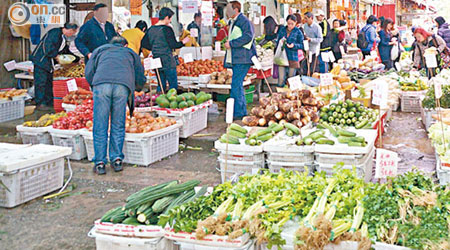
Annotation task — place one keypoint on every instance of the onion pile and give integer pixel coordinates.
(297, 107)
(145, 123)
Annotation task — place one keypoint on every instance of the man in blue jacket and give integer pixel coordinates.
(95, 32)
(371, 35)
(53, 43)
(240, 49)
(114, 72)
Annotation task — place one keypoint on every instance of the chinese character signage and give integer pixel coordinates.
(387, 163)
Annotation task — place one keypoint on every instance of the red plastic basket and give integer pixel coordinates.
(60, 86)
(57, 105)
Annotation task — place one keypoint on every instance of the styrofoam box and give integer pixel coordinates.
(71, 139)
(238, 147)
(363, 171)
(347, 159)
(11, 110)
(238, 167)
(442, 174)
(275, 167)
(190, 246)
(140, 231)
(290, 157)
(6, 147)
(31, 135)
(110, 242)
(241, 156)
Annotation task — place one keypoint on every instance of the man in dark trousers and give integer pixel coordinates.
(114, 72)
(196, 25)
(95, 32)
(325, 46)
(53, 43)
(240, 49)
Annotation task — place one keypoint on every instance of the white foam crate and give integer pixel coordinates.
(110, 242)
(11, 110)
(364, 170)
(31, 135)
(241, 156)
(275, 167)
(190, 246)
(347, 159)
(145, 150)
(238, 167)
(71, 139)
(194, 119)
(300, 158)
(30, 172)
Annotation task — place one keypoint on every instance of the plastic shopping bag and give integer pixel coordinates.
(394, 52)
(280, 57)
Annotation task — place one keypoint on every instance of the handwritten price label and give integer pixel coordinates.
(387, 163)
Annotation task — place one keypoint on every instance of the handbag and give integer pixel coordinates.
(275, 71)
(301, 55)
(280, 57)
(443, 57)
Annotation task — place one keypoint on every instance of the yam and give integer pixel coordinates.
(264, 101)
(251, 121)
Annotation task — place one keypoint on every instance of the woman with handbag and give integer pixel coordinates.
(386, 43)
(426, 41)
(290, 40)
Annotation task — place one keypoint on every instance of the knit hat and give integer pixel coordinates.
(423, 32)
(440, 20)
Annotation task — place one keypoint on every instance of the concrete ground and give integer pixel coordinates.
(63, 223)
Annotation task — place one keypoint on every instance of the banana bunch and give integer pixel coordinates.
(45, 120)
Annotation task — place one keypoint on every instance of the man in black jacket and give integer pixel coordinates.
(53, 43)
(95, 32)
(114, 72)
(325, 46)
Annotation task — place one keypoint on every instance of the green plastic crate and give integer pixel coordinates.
(248, 95)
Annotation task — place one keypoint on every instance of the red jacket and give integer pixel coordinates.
(222, 34)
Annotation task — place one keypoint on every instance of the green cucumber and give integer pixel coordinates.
(260, 132)
(292, 127)
(229, 139)
(238, 128)
(361, 124)
(325, 141)
(331, 129)
(356, 144)
(343, 132)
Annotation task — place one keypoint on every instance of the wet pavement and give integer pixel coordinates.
(63, 223)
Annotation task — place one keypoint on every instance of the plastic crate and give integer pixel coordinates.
(71, 139)
(411, 101)
(147, 150)
(442, 174)
(57, 104)
(12, 110)
(242, 156)
(32, 135)
(301, 158)
(190, 246)
(192, 122)
(27, 184)
(364, 170)
(238, 167)
(89, 143)
(347, 159)
(110, 242)
(275, 167)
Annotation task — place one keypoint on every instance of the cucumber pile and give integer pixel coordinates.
(348, 113)
(236, 132)
(185, 100)
(147, 205)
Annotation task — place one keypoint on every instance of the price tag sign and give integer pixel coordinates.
(206, 53)
(155, 63)
(326, 79)
(188, 58)
(194, 32)
(437, 89)
(256, 20)
(306, 45)
(11, 65)
(72, 85)
(189, 6)
(217, 46)
(295, 83)
(387, 163)
(430, 60)
(380, 94)
(147, 63)
(325, 56)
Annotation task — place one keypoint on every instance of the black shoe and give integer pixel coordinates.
(100, 168)
(117, 165)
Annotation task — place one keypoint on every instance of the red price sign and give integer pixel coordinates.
(387, 163)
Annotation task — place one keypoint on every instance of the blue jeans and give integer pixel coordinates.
(168, 75)
(110, 100)
(237, 89)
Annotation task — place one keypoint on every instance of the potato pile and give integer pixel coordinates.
(70, 71)
(297, 107)
(223, 77)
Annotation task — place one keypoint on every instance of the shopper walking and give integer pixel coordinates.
(386, 43)
(134, 36)
(240, 49)
(196, 24)
(443, 30)
(160, 39)
(367, 37)
(313, 34)
(95, 32)
(55, 42)
(292, 38)
(425, 40)
(325, 45)
(114, 72)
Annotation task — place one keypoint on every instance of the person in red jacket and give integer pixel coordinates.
(223, 32)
